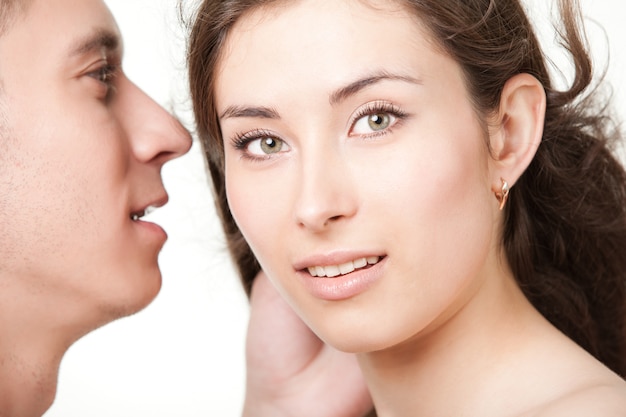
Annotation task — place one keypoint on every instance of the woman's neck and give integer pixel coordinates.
(467, 365)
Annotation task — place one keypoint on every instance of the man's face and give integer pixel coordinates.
(81, 151)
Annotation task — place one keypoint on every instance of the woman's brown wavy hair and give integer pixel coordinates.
(565, 223)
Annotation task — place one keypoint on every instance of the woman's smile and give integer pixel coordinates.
(343, 281)
(344, 268)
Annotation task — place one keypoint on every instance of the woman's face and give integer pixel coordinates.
(356, 168)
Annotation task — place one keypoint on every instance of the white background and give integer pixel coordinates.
(183, 355)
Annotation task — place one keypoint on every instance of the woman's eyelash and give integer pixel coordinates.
(390, 114)
(242, 140)
(379, 107)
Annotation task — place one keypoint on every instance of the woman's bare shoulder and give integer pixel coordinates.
(605, 399)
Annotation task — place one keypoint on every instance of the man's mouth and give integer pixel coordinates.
(331, 271)
(138, 215)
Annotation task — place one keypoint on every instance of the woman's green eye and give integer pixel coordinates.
(263, 146)
(378, 121)
(270, 145)
(374, 122)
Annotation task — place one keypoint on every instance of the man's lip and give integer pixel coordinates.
(334, 258)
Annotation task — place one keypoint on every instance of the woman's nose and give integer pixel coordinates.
(325, 193)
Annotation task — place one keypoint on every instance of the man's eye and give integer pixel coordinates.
(105, 74)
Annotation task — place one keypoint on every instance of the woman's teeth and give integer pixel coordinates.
(342, 269)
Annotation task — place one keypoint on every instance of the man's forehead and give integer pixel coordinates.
(10, 10)
(68, 27)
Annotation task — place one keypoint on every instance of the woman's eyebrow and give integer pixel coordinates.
(336, 97)
(249, 111)
(354, 87)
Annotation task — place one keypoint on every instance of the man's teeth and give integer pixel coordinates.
(343, 269)
(136, 216)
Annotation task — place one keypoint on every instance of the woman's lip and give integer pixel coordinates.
(343, 286)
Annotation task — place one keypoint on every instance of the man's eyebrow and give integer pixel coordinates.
(99, 39)
(354, 87)
(249, 111)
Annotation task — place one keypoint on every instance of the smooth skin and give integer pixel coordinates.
(360, 141)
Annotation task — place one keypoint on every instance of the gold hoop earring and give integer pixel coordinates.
(503, 194)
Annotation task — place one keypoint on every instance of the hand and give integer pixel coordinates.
(290, 371)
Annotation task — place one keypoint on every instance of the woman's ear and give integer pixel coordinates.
(516, 132)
